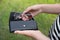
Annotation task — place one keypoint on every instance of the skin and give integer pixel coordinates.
(35, 10)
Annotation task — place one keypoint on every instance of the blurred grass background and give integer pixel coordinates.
(44, 21)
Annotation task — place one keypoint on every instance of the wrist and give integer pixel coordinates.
(40, 36)
(36, 35)
(40, 7)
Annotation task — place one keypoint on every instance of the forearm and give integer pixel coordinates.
(50, 8)
(40, 36)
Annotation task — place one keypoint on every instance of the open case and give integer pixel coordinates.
(19, 24)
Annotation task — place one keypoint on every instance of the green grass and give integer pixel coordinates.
(44, 21)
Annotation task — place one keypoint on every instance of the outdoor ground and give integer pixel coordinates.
(44, 21)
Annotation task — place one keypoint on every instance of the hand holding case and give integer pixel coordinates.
(19, 24)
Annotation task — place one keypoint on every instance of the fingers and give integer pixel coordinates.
(24, 18)
(26, 32)
(20, 32)
(23, 32)
(30, 33)
(24, 13)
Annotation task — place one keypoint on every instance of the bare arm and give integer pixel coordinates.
(34, 10)
(41, 8)
(36, 34)
(51, 8)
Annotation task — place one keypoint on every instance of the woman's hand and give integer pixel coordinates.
(44, 8)
(30, 33)
(33, 10)
(36, 34)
